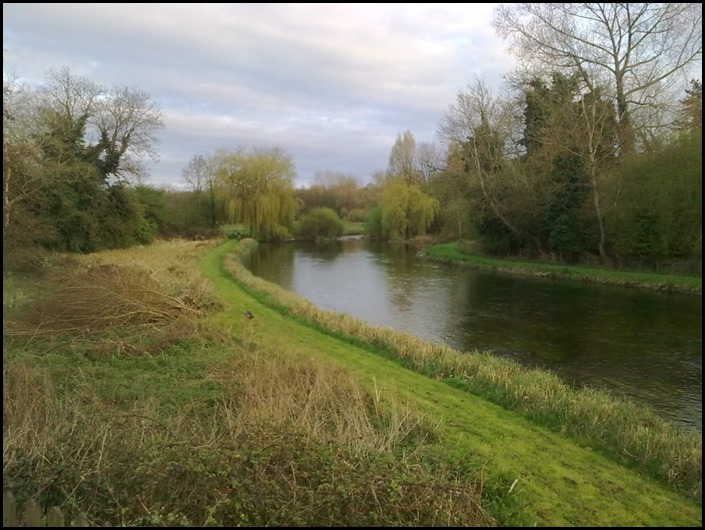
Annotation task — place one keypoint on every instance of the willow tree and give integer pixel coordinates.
(257, 188)
(406, 211)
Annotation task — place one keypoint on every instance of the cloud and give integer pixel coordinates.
(331, 84)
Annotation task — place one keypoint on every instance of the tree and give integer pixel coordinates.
(429, 159)
(127, 121)
(563, 152)
(479, 128)
(570, 137)
(334, 190)
(692, 107)
(320, 224)
(633, 51)
(70, 148)
(22, 173)
(257, 188)
(661, 211)
(405, 210)
(450, 186)
(199, 175)
(412, 161)
(120, 123)
(402, 160)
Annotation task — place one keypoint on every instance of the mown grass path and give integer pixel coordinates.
(559, 483)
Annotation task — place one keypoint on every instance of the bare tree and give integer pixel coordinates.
(70, 96)
(198, 173)
(21, 175)
(402, 160)
(68, 130)
(482, 124)
(120, 123)
(429, 159)
(636, 50)
(127, 121)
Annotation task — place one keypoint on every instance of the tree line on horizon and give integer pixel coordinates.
(590, 153)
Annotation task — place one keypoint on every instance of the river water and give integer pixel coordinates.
(642, 344)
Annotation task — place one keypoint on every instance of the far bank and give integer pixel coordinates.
(460, 253)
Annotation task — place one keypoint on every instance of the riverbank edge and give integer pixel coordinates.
(629, 434)
(451, 254)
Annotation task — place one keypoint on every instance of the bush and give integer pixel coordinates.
(320, 223)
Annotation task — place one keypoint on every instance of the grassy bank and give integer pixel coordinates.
(454, 253)
(630, 434)
(290, 418)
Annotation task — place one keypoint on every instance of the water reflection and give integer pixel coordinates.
(642, 344)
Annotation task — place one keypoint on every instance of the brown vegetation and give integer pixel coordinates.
(123, 404)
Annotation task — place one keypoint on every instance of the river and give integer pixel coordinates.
(642, 344)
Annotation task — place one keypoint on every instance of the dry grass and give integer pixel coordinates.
(287, 442)
(115, 289)
(259, 457)
(322, 401)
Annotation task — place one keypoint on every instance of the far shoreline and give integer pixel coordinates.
(451, 254)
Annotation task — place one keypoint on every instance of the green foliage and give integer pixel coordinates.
(468, 253)
(87, 218)
(357, 215)
(320, 223)
(257, 189)
(692, 107)
(124, 223)
(67, 155)
(237, 232)
(496, 237)
(154, 204)
(454, 219)
(373, 222)
(404, 211)
(565, 225)
(660, 214)
(187, 214)
(354, 228)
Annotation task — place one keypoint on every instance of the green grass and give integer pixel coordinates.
(282, 420)
(354, 229)
(630, 434)
(451, 253)
(189, 422)
(549, 467)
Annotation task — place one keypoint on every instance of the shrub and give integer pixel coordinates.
(320, 223)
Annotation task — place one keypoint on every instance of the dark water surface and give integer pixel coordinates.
(638, 343)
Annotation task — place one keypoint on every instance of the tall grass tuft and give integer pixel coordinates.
(322, 401)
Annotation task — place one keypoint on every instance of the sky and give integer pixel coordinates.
(332, 85)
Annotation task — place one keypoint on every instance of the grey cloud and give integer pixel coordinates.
(331, 84)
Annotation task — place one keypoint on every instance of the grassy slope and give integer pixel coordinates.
(559, 483)
(449, 252)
